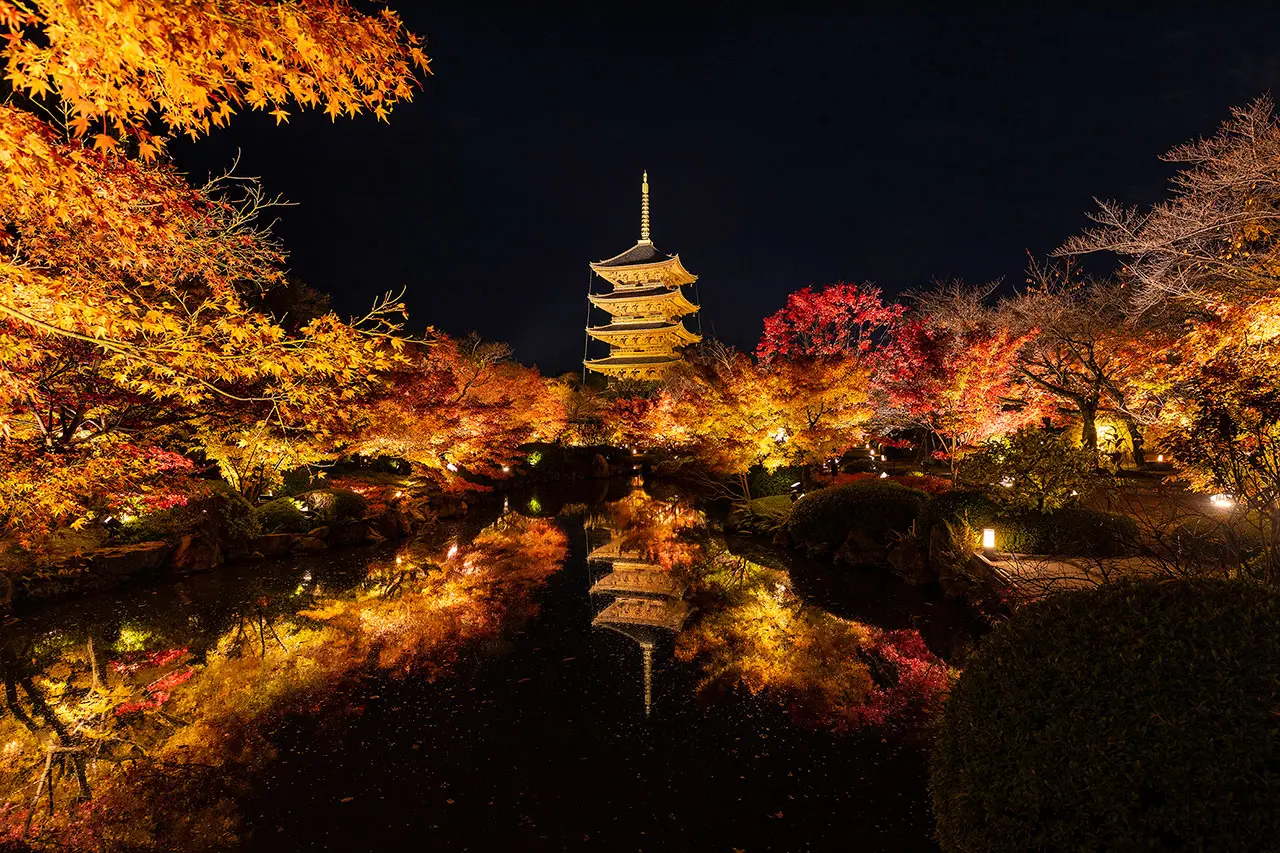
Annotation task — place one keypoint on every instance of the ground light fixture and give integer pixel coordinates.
(988, 540)
(1222, 501)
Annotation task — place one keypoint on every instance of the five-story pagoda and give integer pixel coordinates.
(646, 308)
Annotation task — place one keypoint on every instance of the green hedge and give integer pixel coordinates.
(825, 518)
(1134, 716)
(282, 515)
(1074, 531)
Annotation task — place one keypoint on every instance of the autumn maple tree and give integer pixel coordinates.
(127, 296)
(952, 370)
(1206, 262)
(460, 404)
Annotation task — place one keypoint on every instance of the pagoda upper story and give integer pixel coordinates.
(646, 306)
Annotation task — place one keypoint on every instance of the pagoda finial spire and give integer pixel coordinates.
(644, 208)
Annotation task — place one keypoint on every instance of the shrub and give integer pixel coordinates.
(764, 515)
(334, 505)
(876, 508)
(1034, 470)
(764, 483)
(214, 506)
(154, 526)
(283, 515)
(1073, 531)
(961, 505)
(1133, 716)
(1086, 532)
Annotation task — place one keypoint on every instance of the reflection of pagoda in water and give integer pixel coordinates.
(646, 603)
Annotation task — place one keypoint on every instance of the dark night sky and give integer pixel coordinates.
(896, 146)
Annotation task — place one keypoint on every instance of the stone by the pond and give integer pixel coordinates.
(273, 544)
(908, 562)
(195, 553)
(348, 533)
(599, 466)
(321, 532)
(309, 543)
(136, 559)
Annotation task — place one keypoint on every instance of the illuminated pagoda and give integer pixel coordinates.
(646, 307)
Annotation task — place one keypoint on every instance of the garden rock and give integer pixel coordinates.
(309, 543)
(599, 466)
(906, 558)
(273, 544)
(195, 553)
(138, 559)
(348, 533)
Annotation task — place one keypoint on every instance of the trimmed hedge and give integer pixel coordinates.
(282, 515)
(824, 519)
(1137, 716)
(1074, 531)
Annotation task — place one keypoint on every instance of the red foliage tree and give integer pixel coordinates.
(844, 320)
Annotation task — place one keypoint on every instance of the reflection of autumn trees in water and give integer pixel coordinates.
(123, 744)
(757, 634)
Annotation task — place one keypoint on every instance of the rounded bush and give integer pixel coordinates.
(877, 508)
(282, 515)
(1136, 716)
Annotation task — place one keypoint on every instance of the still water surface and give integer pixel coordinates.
(469, 691)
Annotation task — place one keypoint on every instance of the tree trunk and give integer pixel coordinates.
(1137, 442)
(1273, 558)
(1089, 426)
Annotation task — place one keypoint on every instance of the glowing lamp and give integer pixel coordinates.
(451, 466)
(988, 539)
(506, 469)
(884, 474)
(884, 458)
(1159, 457)
(1222, 501)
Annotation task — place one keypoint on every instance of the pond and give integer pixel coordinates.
(571, 671)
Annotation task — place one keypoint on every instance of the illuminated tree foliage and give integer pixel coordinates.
(952, 369)
(126, 295)
(1206, 260)
(461, 404)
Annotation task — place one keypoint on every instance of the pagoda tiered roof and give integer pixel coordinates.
(631, 334)
(645, 305)
(653, 612)
(638, 581)
(648, 300)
